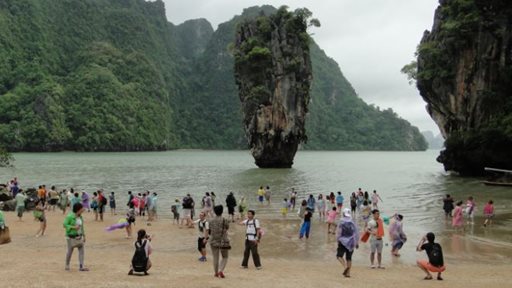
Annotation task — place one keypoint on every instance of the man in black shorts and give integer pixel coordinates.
(348, 239)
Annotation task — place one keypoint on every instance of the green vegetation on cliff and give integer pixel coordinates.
(463, 73)
(115, 75)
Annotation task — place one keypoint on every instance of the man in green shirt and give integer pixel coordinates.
(75, 235)
(20, 203)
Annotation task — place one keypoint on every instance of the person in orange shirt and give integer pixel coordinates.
(41, 193)
(376, 229)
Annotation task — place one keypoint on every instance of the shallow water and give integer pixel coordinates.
(411, 183)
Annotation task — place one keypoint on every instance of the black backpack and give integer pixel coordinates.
(436, 256)
(140, 260)
(187, 203)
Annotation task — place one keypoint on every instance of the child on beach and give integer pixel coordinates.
(320, 204)
(284, 207)
(331, 219)
(470, 210)
(261, 195)
(39, 215)
(488, 212)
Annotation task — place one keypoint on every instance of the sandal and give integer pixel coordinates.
(427, 278)
(439, 278)
(83, 269)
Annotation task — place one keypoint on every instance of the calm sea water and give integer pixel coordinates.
(411, 183)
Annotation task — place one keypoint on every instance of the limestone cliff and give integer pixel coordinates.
(464, 72)
(273, 74)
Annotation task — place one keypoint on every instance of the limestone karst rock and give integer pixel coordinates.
(464, 72)
(273, 74)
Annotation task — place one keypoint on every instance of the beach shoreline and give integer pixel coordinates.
(39, 262)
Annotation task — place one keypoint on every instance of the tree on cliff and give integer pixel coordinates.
(6, 158)
(463, 73)
(273, 73)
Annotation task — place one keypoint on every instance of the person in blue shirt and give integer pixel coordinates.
(339, 201)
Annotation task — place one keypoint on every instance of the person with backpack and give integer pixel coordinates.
(252, 240)
(140, 259)
(203, 227)
(435, 262)
(348, 240)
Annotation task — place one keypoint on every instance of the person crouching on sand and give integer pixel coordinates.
(435, 262)
(140, 260)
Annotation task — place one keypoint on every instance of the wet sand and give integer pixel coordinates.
(287, 261)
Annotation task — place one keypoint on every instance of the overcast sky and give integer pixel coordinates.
(370, 39)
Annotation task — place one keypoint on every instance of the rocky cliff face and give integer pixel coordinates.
(273, 74)
(464, 70)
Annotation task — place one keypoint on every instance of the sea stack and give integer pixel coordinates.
(273, 74)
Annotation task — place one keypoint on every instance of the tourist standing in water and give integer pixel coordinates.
(339, 201)
(331, 219)
(306, 224)
(284, 207)
(112, 203)
(488, 213)
(311, 203)
(375, 199)
(320, 204)
(348, 240)
(458, 220)
(353, 204)
(261, 195)
(293, 198)
(268, 195)
(448, 206)
(470, 210)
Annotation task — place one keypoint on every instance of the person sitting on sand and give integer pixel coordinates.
(435, 262)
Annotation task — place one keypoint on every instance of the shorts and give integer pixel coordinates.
(42, 219)
(397, 245)
(425, 264)
(342, 250)
(187, 213)
(53, 201)
(376, 245)
(260, 198)
(231, 210)
(489, 216)
(112, 205)
(284, 211)
(200, 244)
(176, 216)
(20, 210)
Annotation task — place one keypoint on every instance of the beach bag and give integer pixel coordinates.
(5, 235)
(103, 200)
(365, 236)
(140, 260)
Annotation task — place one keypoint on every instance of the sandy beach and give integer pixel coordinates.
(39, 262)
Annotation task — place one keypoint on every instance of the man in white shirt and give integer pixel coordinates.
(252, 240)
